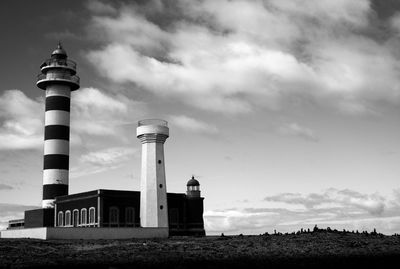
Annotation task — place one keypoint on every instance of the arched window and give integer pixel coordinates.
(92, 215)
(75, 218)
(60, 219)
(114, 215)
(83, 216)
(130, 216)
(67, 218)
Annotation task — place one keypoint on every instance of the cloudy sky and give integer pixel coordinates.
(287, 112)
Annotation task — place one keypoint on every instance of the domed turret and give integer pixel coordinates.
(59, 52)
(193, 188)
(58, 70)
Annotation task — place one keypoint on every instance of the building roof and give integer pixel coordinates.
(193, 182)
(109, 193)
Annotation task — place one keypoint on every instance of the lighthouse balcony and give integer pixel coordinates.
(154, 130)
(58, 63)
(43, 80)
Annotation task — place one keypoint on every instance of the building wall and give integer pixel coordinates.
(185, 214)
(78, 202)
(42, 217)
(121, 202)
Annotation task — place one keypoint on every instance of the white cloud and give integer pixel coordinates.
(94, 113)
(192, 125)
(294, 129)
(338, 209)
(102, 160)
(109, 156)
(20, 123)
(372, 203)
(223, 56)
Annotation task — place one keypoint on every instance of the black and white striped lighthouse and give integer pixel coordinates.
(58, 78)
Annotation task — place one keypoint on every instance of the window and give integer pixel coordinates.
(173, 214)
(68, 218)
(92, 215)
(130, 215)
(114, 215)
(194, 188)
(83, 216)
(75, 217)
(60, 219)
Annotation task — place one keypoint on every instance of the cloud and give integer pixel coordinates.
(12, 211)
(107, 156)
(192, 125)
(294, 129)
(356, 108)
(102, 160)
(220, 56)
(338, 209)
(99, 7)
(20, 126)
(5, 187)
(372, 203)
(94, 113)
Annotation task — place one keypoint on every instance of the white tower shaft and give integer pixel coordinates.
(153, 192)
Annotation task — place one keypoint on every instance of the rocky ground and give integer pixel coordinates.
(322, 249)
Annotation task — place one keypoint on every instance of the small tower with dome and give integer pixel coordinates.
(193, 188)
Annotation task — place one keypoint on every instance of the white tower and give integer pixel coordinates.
(153, 192)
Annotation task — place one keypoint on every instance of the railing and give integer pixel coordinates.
(153, 122)
(59, 62)
(57, 76)
(16, 221)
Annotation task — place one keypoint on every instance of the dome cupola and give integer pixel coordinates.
(59, 52)
(193, 188)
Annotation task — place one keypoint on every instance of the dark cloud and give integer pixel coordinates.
(166, 46)
(385, 8)
(5, 187)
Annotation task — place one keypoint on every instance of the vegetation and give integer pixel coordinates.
(317, 248)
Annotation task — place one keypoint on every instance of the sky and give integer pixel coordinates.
(286, 111)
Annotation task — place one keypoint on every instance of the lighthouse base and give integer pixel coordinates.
(46, 233)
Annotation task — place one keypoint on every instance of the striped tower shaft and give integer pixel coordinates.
(58, 78)
(56, 143)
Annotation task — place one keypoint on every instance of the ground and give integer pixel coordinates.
(322, 249)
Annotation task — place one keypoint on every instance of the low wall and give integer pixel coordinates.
(85, 233)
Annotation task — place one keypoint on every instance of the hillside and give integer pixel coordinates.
(319, 249)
